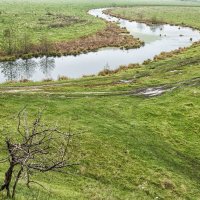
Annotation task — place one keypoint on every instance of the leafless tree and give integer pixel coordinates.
(9, 40)
(45, 44)
(25, 43)
(40, 148)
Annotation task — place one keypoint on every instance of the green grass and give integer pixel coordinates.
(130, 147)
(128, 143)
(33, 17)
(173, 15)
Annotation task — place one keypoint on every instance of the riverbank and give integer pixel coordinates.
(170, 39)
(153, 15)
(111, 36)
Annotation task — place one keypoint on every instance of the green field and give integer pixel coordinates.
(39, 18)
(163, 14)
(130, 146)
(46, 17)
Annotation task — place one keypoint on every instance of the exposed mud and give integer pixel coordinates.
(147, 92)
(154, 91)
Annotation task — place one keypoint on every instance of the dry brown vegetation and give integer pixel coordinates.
(55, 20)
(108, 71)
(62, 78)
(164, 55)
(112, 36)
(161, 56)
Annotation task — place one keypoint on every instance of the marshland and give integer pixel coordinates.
(122, 78)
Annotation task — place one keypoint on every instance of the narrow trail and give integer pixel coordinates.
(143, 92)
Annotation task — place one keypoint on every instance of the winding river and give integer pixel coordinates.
(157, 38)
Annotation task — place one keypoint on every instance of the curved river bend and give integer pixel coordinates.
(36, 69)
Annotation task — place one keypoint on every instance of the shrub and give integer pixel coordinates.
(62, 78)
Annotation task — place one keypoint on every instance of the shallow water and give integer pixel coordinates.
(37, 69)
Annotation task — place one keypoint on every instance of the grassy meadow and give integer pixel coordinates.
(41, 17)
(163, 14)
(129, 146)
(62, 20)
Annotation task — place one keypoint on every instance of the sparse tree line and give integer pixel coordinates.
(14, 43)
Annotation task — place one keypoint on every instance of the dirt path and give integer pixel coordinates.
(145, 92)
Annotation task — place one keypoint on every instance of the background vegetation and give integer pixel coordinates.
(161, 14)
(60, 20)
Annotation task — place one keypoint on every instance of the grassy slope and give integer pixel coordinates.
(133, 147)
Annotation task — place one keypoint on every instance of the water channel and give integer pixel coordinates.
(157, 38)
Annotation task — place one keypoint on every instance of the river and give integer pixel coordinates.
(157, 38)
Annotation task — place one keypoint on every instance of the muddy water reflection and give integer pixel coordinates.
(24, 69)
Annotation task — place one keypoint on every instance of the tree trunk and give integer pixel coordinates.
(7, 180)
(16, 181)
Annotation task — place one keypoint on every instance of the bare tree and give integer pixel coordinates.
(25, 43)
(45, 44)
(40, 148)
(9, 44)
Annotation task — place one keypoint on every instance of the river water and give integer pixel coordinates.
(157, 38)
